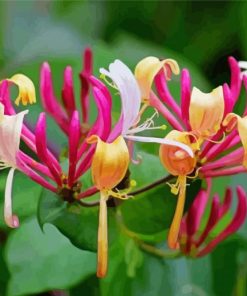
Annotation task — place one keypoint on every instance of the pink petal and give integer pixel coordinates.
(225, 172)
(197, 209)
(211, 153)
(212, 220)
(49, 100)
(235, 83)
(84, 76)
(74, 138)
(185, 96)
(68, 95)
(102, 125)
(26, 169)
(41, 146)
(233, 158)
(164, 93)
(233, 226)
(161, 108)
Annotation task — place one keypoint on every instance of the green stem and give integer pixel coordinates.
(139, 191)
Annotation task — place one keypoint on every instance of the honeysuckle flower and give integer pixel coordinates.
(197, 242)
(198, 123)
(26, 89)
(111, 158)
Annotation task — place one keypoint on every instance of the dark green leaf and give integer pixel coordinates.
(78, 223)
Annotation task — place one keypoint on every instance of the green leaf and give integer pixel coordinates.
(79, 224)
(40, 261)
(4, 274)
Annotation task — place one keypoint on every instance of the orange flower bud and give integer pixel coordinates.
(110, 162)
(174, 159)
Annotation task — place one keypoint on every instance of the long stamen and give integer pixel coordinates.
(102, 262)
(174, 229)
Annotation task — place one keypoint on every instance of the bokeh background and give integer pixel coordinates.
(200, 35)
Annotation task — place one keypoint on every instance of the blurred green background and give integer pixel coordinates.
(200, 35)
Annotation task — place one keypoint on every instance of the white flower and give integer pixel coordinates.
(10, 134)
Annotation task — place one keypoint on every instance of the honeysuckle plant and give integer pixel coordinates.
(204, 143)
(197, 122)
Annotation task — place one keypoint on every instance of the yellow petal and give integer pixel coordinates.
(175, 160)
(26, 89)
(230, 122)
(148, 68)
(110, 162)
(206, 112)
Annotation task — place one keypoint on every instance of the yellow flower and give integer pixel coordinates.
(110, 162)
(148, 68)
(206, 112)
(26, 89)
(109, 166)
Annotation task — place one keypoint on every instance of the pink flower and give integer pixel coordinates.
(197, 242)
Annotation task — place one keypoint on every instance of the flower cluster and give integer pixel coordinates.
(207, 140)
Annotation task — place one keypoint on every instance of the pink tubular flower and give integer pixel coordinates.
(45, 169)
(195, 242)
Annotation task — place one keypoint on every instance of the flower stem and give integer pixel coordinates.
(139, 191)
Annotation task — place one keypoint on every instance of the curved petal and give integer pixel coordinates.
(10, 134)
(148, 68)
(10, 219)
(129, 92)
(161, 141)
(26, 89)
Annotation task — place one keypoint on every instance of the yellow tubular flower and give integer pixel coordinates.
(178, 163)
(109, 166)
(148, 68)
(110, 162)
(230, 121)
(206, 112)
(26, 89)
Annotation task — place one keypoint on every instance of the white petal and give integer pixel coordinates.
(129, 92)
(10, 219)
(243, 64)
(10, 134)
(161, 141)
